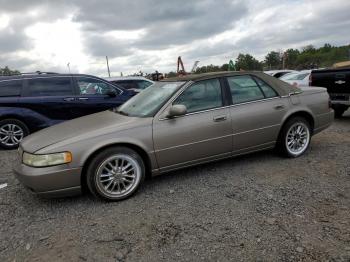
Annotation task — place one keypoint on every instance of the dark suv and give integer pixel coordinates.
(31, 102)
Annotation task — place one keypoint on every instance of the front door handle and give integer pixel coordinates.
(278, 107)
(219, 118)
(83, 98)
(69, 99)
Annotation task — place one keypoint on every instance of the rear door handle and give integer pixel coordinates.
(69, 99)
(83, 98)
(219, 118)
(278, 107)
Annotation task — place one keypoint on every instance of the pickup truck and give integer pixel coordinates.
(337, 82)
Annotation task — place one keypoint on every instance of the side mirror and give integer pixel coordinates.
(111, 93)
(177, 110)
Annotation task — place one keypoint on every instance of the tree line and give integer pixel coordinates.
(6, 71)
(308, 57)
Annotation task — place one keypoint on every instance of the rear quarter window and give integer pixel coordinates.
(10, 88)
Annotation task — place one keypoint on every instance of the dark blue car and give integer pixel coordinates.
(34, 101)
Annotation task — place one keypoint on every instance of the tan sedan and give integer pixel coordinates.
(170, 125)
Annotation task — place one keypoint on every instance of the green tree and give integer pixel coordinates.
(291, 57)
(310, 49)
(207, 69)
(326, 48)
(224, 67)
(247, 62)
(6, 71)
(273, 60)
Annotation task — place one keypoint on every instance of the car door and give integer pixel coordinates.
(51, 97)
(95, 95)
(256, 113)
(10, 91)
(204, 133)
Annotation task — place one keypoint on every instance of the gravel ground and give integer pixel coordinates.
(259, 207)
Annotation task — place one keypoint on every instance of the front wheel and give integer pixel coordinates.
(12, 131)
(295, 137)
(115, 173)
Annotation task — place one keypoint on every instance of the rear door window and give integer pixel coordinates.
(268, 90)
(55, 86)
(244, 89)
(10, 88)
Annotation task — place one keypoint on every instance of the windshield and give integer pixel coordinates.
(294, 76)
(150, 100)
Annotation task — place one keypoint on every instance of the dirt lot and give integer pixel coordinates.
(259, 207)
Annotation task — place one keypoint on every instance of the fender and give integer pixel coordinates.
(32, 119)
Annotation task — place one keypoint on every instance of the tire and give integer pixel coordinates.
(295, 137)
(338, 113)
(12, 132)
(107, 182)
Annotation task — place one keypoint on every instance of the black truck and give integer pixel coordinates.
(337, 82)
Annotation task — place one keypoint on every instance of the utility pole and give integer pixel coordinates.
(68, 65)
(109, 72)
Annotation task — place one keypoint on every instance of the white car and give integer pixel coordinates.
(136, 83)
(278, 73)
(298, 78)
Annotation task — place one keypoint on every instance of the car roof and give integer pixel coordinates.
(40, 75)
(281, 87)
(278, 71)
(123, 78)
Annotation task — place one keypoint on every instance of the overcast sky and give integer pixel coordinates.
(148, 35)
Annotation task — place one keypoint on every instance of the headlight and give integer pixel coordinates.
(46, 160)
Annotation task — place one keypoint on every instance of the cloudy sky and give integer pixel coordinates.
(148, 35)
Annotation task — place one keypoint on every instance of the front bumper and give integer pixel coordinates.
(55, 181)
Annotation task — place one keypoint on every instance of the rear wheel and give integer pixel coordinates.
(295, 137)
(12, 132)
(115, 173)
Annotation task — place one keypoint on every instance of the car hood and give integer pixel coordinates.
(79, 128)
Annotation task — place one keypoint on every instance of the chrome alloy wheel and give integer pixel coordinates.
(118, 175)
(298, 138)
(11, 134)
